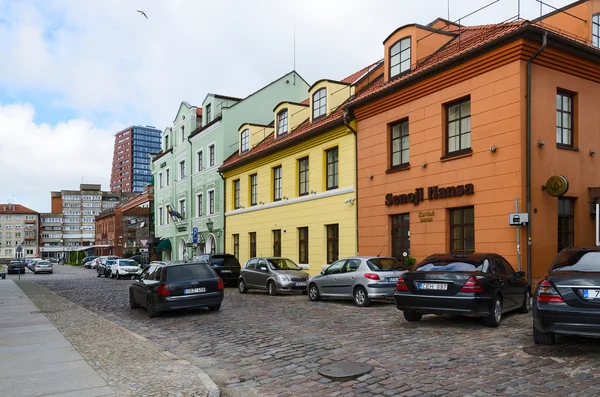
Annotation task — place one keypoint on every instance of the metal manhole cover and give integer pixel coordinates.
(345, 370)
(552, 351)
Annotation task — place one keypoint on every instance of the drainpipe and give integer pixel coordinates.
(528, 153)
(349, 116)
(223, 209)
(191, 202)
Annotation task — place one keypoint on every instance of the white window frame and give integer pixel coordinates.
(182, 170)
(214, 147)
(160, 216)
(160, 180)
(200, 160)
(208, 192)
(167, 176)
(182, 211)
(245, 147)
(199, 205)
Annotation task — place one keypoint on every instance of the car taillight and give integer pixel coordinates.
(163, 290)
(547, 293)
(220, 284)
(371, 276)
(401, 284)
(472, 285)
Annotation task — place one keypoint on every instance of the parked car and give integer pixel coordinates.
(124, 268)
(358, 278)
(567, 300)
(16, 267)
(480, 285)
(88, 259)
(163, 287)
(273, 275)
(31, 264)
(42, 267)
(225, 265)
(103, 267)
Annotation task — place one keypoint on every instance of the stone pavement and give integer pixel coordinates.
(131, 365)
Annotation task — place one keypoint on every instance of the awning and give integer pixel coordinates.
(164, 245)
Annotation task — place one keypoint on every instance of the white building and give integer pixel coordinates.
(19, 227)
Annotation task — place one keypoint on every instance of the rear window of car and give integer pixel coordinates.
(43, 263)
(127, 263)
(384, 264)
(577, 261)
(227, 261)
(452, 266)
(189, 272)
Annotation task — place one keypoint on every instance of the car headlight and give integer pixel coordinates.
(283, 278)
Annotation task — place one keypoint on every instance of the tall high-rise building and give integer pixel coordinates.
(131, 158)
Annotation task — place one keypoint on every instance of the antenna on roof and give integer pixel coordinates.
(448, 10)
(294, 54)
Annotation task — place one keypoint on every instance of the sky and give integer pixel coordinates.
(75, 72)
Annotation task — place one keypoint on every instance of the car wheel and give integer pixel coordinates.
(242, 286)
(526, 303)
(271, 288)
(412, 316)
(214, 308)
(99, 274)
(543, 338)
(132, 303)
(111, 275)
(150, 309)
(361, 299)
(118, 276)
(494, 318)
(313, 293)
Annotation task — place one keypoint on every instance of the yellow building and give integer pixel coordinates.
(291, 187)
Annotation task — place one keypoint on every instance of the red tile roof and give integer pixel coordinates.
(354, 77)
(16, 209)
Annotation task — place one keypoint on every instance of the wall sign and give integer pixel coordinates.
(426, 216)
(557, 186)
(433, 193)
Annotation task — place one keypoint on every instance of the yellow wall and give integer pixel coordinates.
(337, 94)
(297, 114)
(315, 210)
(257, 134)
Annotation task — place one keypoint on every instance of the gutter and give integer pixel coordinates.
(347, 117)
(223, 209)
(528, 153)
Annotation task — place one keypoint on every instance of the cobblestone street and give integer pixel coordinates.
(274, 346)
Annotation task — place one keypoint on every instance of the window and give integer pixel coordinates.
(303, 176)
(199, 205)
(167, 177)
(282, 122)
(319, 103)
(400, 236)
(462, 230)
(458, 132)
(277, 183)
(333, 243)
(566, 230)
(564, 118)
(277, 242)
(302, 245)
(236, 194)
(596, 30)
(160, 216)
(332, 168)
(182, 208)
(211, 155)
(182, 133)
(253, 189)
(181, 170)
(166, 142)
(160, 180)
(245, 140)
(400, 145)
(200, 160)
(252, 238)
(236, 246)
(211, 202)
(400, 57)
(208, 111)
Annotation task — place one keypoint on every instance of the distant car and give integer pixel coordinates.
(42, 267)
(360, 278)
(479, 285)
(225, 265)
(103, 268)
(273, 275)
(163, 287)
(16, 267)
(567, 300)
(88, 259)
(124, 268)
(32, 263)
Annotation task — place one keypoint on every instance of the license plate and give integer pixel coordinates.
(433, 286)
(194, 290)
(591, 293)
(392, 279)
(225, 271)
(300, 284)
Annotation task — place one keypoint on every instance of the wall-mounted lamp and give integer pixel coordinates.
(285, 198)
(541, 143)
(370, 176)
(349, 200)
(313, 192)
(261, 203)
(592, 152)
(423, 165)
(493, 149)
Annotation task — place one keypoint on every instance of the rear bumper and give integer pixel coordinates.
(468, 305)
(381, 291)
(15, 271)
(567, 320)
(190, 301)
(42, 270)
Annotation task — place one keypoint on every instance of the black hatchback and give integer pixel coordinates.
(567, 300)
(164, 287)
(477, 285)
(226, 266)
(16, 267)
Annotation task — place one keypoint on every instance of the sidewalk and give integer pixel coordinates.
(35, 358)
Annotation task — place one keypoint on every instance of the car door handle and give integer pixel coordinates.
(335, 278)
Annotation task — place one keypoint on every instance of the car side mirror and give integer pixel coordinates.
(322, 272)
(519, 274)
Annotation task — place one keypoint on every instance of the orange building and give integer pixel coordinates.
(448, 140)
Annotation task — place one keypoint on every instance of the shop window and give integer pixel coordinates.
(303, 176)
(236, 194)
(566, 229)
(333, 243)
(564, 119)
(458, 127)
(252, 238)
(331, 168)
(400, 57)
(277, 242)
(399, 145)
(462, 230)
(400, 236)
(596, 30)
(277, 183)
(303, 245)
(236, 246)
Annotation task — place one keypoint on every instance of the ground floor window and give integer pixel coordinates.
(566, 229)
(302, 245)
(236, 246)
(462, 230)
(252, 238)
(400, 236)
(277, 242)
(333, 243)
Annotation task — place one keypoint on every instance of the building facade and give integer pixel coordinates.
(448, 141)
(131, 158)
(189, 192)
(291, 185)
(19, 227)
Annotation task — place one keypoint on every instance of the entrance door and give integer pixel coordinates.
(400, 236)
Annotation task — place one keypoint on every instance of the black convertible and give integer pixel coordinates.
(479, 285)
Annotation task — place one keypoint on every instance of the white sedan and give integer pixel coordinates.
(125, 268)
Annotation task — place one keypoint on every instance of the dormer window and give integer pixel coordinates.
(596, 30)
(208, 113)
(319, 103)
(245, 140)
(166, 142)
(282, 122)
(400, 57)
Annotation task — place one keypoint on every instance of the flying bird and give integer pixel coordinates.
(143, 13)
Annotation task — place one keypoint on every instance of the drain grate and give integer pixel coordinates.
(345, 370)
(552, 351)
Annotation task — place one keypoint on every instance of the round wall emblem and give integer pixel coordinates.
(557, 186)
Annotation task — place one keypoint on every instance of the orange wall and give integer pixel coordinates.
(567, 23)
(56, 204)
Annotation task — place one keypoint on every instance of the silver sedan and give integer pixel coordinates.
(360, 278)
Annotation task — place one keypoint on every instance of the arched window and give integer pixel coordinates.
(245, 141)
(400, 57)
(282, 122)
(596, 30)
(320, 103)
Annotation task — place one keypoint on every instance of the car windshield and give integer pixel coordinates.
(577, 261)
(189, 272)
(384, 264)
(127, 263)
(452, 266)
(283, 264)
(110, 261)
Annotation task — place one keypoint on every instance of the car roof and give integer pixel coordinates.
(475, 256)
